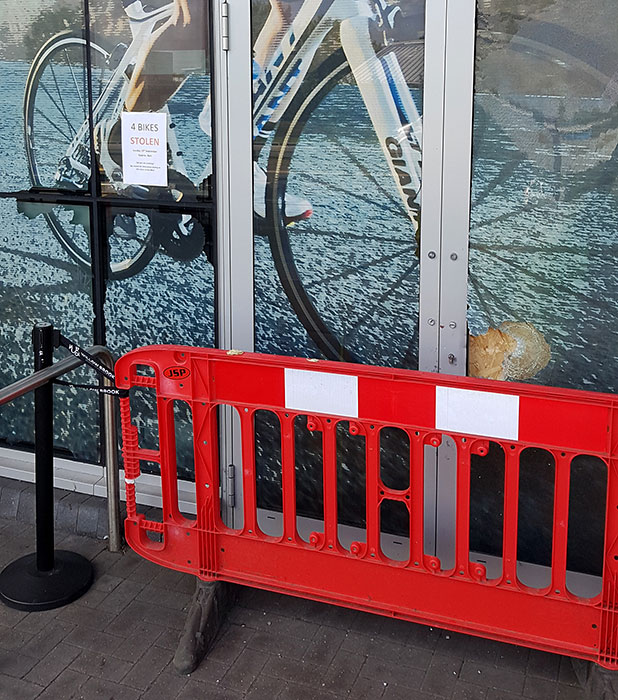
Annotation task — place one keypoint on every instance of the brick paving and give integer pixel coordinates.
(117, 643)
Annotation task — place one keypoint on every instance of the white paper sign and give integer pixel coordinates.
(477, 413)
(144, 148)
(321, 392)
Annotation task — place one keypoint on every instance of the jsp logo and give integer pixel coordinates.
(176, 372)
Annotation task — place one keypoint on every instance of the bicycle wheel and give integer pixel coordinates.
(359, 236)
(56, 115)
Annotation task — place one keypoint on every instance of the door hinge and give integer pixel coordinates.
(225, 26)
(231, 486)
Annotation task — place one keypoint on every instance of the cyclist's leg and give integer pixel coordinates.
(160, 72)
(270, 35)
(275, 26)
(269, 38)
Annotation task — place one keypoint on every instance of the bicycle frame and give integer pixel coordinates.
(391, 109)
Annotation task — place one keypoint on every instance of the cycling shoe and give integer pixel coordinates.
(296, 208)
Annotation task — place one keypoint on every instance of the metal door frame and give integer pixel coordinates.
(445, 203)
(450, 31)
(456, 181)
(234, 179)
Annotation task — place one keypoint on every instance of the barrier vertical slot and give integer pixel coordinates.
(268, 472)
(309, 475)
(486, 509)
(288, 476)
(537, 477)
(586, 530)
(185, 448)
(352, 485)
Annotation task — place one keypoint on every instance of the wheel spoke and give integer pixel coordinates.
(371, 177)
(505, 172)
(55, 139)
(376, 303)
(499, 218)
(59, 110)
(349, 236)
(64, 114)
(410, 357)
(81, 99)
(66, 137)
(396, 210)
(100, 84)
(65, 265)
(527, 249)
(364, 266)
(564, 291)
(476, 284)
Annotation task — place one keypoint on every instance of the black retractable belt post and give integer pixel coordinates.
(43, 342)
(48, 578)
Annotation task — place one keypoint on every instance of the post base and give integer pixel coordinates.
(598, 683)
(209, 606)
(24, 587)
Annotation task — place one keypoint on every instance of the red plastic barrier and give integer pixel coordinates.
(427, 407)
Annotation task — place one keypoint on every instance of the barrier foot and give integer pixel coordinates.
(598, 683)
(211, 601)
(24, 587)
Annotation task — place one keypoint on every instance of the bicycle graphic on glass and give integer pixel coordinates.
(337, 148)
(286, 91)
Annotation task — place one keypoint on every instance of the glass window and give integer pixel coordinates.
(543, 272)
(44, 103)
(337, 104)
(337, 133)
(543, 260)
(161, 290)
(149, 61)
(42, 282)
(171, 299)
(120, 275)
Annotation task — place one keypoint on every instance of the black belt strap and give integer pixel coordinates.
(98, 366)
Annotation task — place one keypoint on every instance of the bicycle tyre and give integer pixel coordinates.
(71, 43)
(333, 343)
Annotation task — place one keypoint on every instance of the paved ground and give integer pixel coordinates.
(118, 642)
